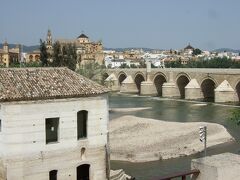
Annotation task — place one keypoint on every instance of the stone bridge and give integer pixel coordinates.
(219, 85)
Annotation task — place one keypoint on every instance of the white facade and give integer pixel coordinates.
(24, 153)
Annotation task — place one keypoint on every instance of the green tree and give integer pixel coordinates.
(71, 59)
(196, 52)
(64, 55)
(133, 66)
(124, 66)
(174, 64)
(93, 71)
(57, 55)
(235, 116)
(43, 53)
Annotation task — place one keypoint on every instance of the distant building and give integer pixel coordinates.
(133, 54)
(33, 56)
(87, 51)
(9, 56)
(49, 128)
(116, 63)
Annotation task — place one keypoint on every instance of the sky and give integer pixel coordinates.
(160, 24)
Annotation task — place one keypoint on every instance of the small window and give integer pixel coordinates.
(53, 175)
(82, 124)
(51, 130)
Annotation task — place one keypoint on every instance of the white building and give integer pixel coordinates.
(156, 59)
(116, 63)
(54, 125)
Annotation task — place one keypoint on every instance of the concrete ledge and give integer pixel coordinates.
(224, 166)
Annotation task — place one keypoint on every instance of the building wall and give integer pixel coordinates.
(9, 56)
(25, 152)
(33, 57)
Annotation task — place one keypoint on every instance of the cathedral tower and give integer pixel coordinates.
(49, 40)
(5, 47)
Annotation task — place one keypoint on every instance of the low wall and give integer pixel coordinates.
(224, 166)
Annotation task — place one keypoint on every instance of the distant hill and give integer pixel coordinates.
(226, 50)
(25, 48)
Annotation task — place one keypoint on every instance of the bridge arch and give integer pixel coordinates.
(207, 86)
(121, 77)
(159, 79)
(238, 90)
(182, 80)
(139, 77)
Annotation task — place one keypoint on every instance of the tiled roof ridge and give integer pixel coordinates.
(45, 83)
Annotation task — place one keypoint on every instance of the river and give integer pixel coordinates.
(179, 111)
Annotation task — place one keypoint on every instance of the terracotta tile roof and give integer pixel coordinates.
(23, 84)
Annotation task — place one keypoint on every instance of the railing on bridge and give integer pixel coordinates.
(182, 175)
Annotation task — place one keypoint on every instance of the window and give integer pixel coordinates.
(51, 129)
(82, 124)
(53, 175)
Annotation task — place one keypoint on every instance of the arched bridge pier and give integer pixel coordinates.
(217, 85)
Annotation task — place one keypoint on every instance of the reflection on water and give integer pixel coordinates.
(172, 110)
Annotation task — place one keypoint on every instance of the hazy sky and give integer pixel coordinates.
(163, 24)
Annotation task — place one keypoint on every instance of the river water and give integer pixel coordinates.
(179, 111)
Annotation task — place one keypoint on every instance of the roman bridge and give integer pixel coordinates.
(219, 85)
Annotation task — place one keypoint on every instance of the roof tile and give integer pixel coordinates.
(22, 84)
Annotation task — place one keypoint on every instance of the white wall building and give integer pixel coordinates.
(155, 59)
(54, 125)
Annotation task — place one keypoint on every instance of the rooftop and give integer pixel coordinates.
(188, 47)
(82, 36)
(25, 84)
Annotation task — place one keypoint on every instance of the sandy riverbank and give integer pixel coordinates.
(128, 109)
(139, 139)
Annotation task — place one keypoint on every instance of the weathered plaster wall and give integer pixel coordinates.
(25, 152)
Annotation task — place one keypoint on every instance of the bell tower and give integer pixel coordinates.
(5, 47)
(49, 40)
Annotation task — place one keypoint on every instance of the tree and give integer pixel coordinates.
(71, 57)
(64, 55)
(93, 71)
(57, 55)
(133, 66)
(235, 116)
(196, 52)
(124, 66)
(43, 53)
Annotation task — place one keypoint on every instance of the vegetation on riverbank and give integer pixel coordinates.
(202, 63)
(235, 116)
